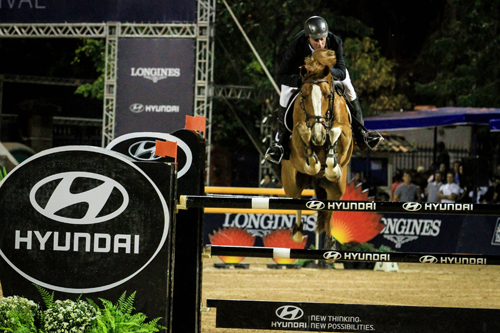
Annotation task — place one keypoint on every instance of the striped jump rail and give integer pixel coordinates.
(349, 256)
(232, 201)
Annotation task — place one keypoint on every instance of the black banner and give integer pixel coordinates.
(155, 82)
(85, 220)
(302, 316)
(91, 11)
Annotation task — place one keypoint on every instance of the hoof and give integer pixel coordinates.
(297, 237)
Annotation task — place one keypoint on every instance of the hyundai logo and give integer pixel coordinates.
(428, 259)
(412, 206)
(289, 312)
(315, 205)
(62, 197)
(332, 255)
(136, 108)
(126, 144)
(144, 151)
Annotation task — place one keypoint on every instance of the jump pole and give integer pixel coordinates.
(348, 256)
(231, 201)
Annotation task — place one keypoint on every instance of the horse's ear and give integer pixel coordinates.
(303, 71)
(326, 71)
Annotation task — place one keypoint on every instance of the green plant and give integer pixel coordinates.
(357, 247)
(384, 248)
(118, 318)
(18, 315)
(3, 173)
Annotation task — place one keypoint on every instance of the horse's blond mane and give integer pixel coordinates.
(320, 58)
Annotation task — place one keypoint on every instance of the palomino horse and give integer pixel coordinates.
(321, 144)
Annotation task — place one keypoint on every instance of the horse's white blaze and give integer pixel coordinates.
(316, 100)
(316, 95)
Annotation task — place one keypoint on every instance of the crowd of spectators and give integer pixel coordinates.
(446, 185)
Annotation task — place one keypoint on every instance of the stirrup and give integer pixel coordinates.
(376, 135)
(270, 158)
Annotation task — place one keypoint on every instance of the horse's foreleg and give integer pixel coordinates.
(333, 170)
(312, 165)
(297, 233)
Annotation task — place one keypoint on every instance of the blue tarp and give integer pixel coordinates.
(431, 118)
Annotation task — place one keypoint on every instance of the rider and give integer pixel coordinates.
(314, 36)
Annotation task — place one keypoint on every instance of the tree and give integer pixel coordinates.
(374, 77)
(94, 49)
(459, 64)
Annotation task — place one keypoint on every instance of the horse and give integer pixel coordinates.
(321, 142)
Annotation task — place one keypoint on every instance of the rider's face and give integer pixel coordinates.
(317, 44)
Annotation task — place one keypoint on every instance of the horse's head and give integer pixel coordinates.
(317, 94)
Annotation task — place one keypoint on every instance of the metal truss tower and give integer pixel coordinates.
(202, 31)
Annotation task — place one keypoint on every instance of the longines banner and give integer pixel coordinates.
(440, 233)
(402, 232)
(155, 82)
(91, 11)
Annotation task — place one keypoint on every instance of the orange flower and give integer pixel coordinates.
(232, 236)
(281, 238)
(356, 226)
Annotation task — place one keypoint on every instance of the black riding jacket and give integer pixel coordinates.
(299, 49)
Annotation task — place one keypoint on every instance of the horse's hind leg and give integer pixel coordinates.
(297, 232)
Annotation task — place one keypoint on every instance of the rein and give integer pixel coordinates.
(325, 120)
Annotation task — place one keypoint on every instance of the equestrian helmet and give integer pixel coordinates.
(316, 27)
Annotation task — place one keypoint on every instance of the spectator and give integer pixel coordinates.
(496, 190)
(442, 169)
(267, 182)
(433, 188)
(420, 179)
(358, 179)
(407, 192)
(442, 155)
(449, 192)
(456, 172)
(396, 181)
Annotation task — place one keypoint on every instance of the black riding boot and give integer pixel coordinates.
(279, 149)
(362, 137)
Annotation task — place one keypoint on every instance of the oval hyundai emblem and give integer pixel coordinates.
(141, 146)
(289, 312)
(412, 206)
(81, 219)
(315, 205)
(95, 199)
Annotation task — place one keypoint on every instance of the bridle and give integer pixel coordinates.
(325, 120)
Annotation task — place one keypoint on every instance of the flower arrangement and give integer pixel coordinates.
(17, 314)
(20, 315)
(69, 316)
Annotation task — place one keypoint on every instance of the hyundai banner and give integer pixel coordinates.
(155, 84)
(91, 11)
(85, 220)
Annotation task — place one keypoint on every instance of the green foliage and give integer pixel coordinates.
(118, 318)
(17, 315)
(358, 247)
(47, 297)
(94, 49)
(3, 173)
(373, 76)
(459, 64)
